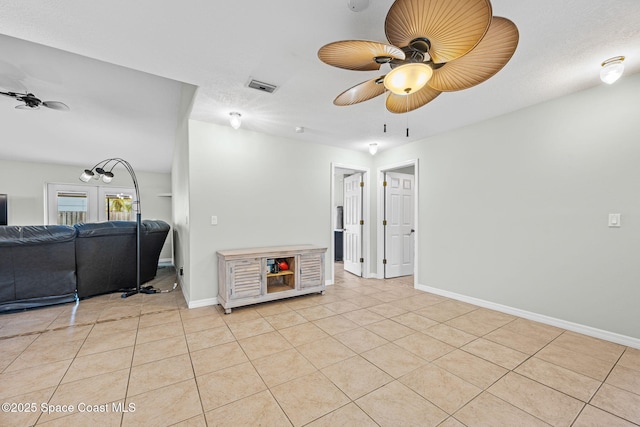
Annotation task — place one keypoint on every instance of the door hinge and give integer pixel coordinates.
(384, 261)
(361, 259)
(384, 183)
(384, 222)
(362, 222)
(361, 183)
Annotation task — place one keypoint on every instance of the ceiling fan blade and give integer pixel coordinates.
(405, 103)
(27, 107)
(452, 27)
(56, 105)
(357, 55)
(361, 92)
(11, 94)
(486, 59)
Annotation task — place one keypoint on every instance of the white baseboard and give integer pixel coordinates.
(165, 262)
(195, 304)
(203, 302)
(560, 323)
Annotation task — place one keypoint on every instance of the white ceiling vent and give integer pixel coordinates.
(264, 87)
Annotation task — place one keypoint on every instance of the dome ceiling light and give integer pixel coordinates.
(235, 120)
(612, 69)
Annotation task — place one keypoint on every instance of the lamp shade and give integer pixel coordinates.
(107, 177)
(408, 78)
(373, 149)
(86, 175)
(612, 69)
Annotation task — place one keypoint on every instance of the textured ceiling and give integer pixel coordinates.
(118, 64)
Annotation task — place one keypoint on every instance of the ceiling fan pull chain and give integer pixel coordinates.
(407, 116)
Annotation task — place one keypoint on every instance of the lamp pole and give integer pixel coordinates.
(107, 176)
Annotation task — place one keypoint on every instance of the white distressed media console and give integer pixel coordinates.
(245, 276)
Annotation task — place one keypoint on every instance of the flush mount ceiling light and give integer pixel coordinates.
(235, 120)
(373, 149)
(459, 41)
(612, 69)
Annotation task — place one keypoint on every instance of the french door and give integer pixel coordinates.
(70, 204)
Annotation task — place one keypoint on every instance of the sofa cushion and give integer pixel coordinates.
(106, 255)
(111, 228)
(16, 235)
(36, 263)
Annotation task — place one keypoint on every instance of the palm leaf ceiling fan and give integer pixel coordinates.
(435, 46)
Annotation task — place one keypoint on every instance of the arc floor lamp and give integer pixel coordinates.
(99, 171)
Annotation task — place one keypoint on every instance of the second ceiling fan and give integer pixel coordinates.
(435, 46)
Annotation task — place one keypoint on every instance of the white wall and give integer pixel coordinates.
(265, 191)
(180, 190)
(24, 183)
(514, 210)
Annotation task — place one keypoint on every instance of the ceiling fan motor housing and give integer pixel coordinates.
(30, 100)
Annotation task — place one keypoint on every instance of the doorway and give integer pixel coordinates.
(398, 228)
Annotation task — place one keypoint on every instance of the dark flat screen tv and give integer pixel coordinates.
(3, 209)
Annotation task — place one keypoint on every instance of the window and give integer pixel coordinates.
(69, 204)
(72, 207)
(118, 207)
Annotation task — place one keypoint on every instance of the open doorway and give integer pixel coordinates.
(397, 229)
(350, 220)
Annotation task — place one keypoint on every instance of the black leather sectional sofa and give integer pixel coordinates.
(51, 264)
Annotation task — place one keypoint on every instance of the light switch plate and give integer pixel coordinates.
(614, 220)
(214, 220)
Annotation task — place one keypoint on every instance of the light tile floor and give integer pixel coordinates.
(367, 353)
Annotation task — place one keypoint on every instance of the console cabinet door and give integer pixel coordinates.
(245, 278)
(311, 271)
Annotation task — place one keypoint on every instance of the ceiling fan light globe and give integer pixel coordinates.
(409, 78)
(612, 69)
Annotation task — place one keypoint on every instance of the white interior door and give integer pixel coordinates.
(399, 232)
(353, 224)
